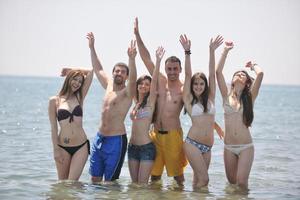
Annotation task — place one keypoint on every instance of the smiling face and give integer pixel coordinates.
(120, 74)
(198, 86)
(173, 70)
(144, 86)
(76, 83)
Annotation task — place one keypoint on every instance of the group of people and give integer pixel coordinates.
(156, 139)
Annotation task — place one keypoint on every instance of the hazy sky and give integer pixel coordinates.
(39, 37)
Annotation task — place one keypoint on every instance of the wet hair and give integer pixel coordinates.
(121, 64)
(203, 98)
(173, 59)
(138, 82)
(66, 88)
(246, 99)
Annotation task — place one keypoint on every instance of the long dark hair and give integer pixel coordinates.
(66, 88)
(138, 82)
(203, 99)
(246, 99)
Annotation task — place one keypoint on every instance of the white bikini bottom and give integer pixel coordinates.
(237, 148)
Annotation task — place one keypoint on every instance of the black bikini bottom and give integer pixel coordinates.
(73, 149)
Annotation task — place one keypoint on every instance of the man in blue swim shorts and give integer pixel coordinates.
(109, 146)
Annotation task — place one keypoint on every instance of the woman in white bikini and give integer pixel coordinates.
(238, 104)
(199, 102)
(141, 149)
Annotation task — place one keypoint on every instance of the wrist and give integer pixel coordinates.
(187, 52)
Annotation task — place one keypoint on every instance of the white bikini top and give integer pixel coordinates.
(228, 109)
(198, 109)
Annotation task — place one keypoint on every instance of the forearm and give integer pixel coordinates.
(222, 61)
(132, 75)
(144, 53)
(212, 63)
(95, 61)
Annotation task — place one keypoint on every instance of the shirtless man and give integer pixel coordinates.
(109, 146)
(167, 134)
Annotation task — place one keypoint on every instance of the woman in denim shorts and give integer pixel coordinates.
(141, 150)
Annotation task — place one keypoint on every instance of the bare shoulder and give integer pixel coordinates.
(53, 100)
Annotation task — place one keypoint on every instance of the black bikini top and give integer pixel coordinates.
(64, 114)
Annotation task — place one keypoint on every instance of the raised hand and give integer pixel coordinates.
(160, 52)
(65, 71)
(90, 37)
(185, 42)
(136, 26)
(250, 65)
(228, 45)
(132, 49)
(215, 43)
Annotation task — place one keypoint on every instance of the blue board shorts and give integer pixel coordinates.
(107, 156)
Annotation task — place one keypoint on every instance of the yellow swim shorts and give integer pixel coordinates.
(169, 152)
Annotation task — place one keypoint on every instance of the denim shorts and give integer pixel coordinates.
(142, 152)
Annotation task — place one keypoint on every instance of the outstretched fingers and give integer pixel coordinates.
(160, 52)
(185, 42)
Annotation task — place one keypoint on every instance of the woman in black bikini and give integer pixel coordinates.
(70, 144)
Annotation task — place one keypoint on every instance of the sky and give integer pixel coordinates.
(38, 38)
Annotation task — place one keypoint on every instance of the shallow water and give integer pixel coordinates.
(28, 171)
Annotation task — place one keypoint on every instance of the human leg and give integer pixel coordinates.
(175, 158)
(244, 167)
(159, 162)
(63, 166)
(78, 161)
(198, 164)
(144, 171)
(231, 165)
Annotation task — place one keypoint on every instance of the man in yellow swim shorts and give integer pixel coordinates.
(167, 134)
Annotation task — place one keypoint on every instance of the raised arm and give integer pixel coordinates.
(97, 67)
(54, 129)
(187, 96)
(257, 82)
(160, 52)
(130, 88)
(88, 77)
(214, 44)
(144, 53)
(219, 71)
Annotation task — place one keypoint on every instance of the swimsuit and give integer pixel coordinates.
(64, 114)
(142, 113)
(198, 109)
(202, 147)
(73, 149)
(107, 156)
(237, 148)
(234, 148)
(228, 109)
(169, 152)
